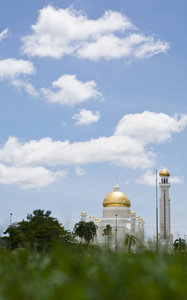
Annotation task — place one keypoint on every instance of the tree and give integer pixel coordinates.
(107, 232)
(130, 240)
(40, 231)
(86, 230)
(179, 245)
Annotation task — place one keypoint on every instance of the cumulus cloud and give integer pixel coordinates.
(85, 117)
(125, 148)
(80, 171)
(71, 91)
(10, 68)
(114, 149)
(60, 32)
(28, 87)
(29, 177)
(149, 178)
(4, 34)
(149, 127)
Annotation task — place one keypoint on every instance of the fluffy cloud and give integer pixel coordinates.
(149, 127)
(59, 32)
(28, 87)
(115, 149)
(28, 177)
(80, 171)
(149, 179)
(85, 117)
(4, 34)
(71, 91)
(11, 68)
(125, 148)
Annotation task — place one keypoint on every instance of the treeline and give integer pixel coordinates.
(40, 231)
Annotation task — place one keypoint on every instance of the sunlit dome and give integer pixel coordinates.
(116, 198)
(164, 173)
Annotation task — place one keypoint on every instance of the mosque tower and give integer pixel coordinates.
(164, 205)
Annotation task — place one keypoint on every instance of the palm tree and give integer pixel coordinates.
(107, 232)
(179, 245)
(86, 230)
(130, 240)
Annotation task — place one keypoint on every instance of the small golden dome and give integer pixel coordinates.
(133, 213)
(116, 198)
(137, 217)
(83, 213)
(97, 219)
(164, 173)
(91, 217)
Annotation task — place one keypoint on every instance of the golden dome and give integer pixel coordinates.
(97, 219)
(116, 198)
(91, 217)
(83, 213)
(137, 217)
(164, 173)
(133, 213)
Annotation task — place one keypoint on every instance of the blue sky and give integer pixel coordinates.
(91, 91)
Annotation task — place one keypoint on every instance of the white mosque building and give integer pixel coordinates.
(117, 214)
(123, 221)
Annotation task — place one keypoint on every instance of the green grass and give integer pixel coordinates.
(86, 273)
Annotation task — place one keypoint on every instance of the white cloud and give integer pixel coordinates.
(29, 177)
(10, 68)
(125, 148)
(115, 149)
(19, 84)
(80, 171)
(113, 47)
(60, 32)
(85, 117)
(71, 91)
(177, 179)
(149, 178)
(149, 127)
(4, 34)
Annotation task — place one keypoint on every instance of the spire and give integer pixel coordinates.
(116, 187)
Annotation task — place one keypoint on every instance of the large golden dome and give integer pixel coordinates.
(164, 173)
(116, 198)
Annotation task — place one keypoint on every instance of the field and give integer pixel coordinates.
(80, 272)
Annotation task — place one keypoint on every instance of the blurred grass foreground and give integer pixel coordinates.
(78, 271)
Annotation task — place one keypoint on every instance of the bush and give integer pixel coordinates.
(83, 272)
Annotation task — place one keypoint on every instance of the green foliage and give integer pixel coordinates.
(107, 231)
(179, 245)
(84, 272)
(39, 231)
(130, 240)
(85, 230)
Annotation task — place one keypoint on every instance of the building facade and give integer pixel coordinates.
(122, 221)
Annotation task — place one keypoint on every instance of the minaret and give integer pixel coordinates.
(164, 205)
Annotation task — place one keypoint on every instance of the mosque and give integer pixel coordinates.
(123, 221)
